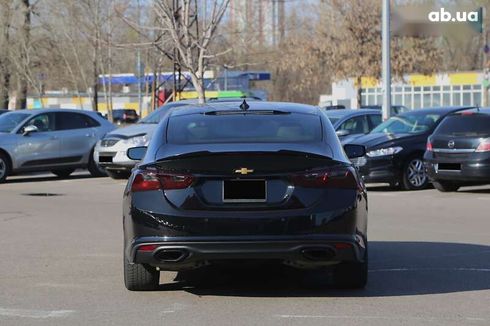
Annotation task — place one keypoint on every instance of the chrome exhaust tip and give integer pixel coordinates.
(171, 255)
(318, 254)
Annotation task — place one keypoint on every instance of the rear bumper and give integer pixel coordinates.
(476, 173)
(114, 157)
(472, 170)
(305, 252)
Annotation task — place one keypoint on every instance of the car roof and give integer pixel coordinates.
(34, 111)
(446, 109)
(474, 110)
(218, 99)
(253, 106)
(350, 112)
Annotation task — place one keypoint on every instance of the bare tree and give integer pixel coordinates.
(192, 39)
(24, 47)
(344, 41)
(5, 21)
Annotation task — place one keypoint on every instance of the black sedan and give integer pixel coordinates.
(458, 152)
(231, 183)
(395, 149)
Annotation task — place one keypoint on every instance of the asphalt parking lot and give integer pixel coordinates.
(61, 264)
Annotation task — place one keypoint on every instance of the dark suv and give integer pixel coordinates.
(458, 152)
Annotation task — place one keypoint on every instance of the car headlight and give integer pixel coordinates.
(137, 141)
(384, 151)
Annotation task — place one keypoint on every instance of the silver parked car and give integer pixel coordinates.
(53, 140)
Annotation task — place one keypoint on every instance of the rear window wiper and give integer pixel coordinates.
(243, 112)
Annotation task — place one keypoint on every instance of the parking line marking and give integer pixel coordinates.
(427, 319)
(31, 313)
(457, 269)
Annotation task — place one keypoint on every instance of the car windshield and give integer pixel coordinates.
(239, 128)
(9, 121)
(409, 123)
(157, 116)
(333, 120)
(399, 109)
(466, 125)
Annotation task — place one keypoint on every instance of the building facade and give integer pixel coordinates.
(414, 91)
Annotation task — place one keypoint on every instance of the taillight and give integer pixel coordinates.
(176, 181)
(342, 245)
(125, 116)
(152, 180)
(484, 146)
(429, 146)
(328, 178)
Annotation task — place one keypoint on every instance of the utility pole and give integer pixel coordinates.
(109, 55)
(177, 71)
(486, 68)
(139, 67)
(281, 17)
(386, 61)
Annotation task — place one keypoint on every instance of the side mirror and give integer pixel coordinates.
(29, 129)
(341, 133)
(137, 153)
(354, 151)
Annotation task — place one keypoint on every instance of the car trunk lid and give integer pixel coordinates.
(261, 180)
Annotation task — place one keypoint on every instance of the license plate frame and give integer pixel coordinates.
(229, 190)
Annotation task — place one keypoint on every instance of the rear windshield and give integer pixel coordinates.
(240, 128)
(477, 125)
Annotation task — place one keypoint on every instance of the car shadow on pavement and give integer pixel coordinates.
(44, 177)
(395, 269)
(475, 191)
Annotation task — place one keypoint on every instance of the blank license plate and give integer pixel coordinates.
(105, 159)
(449, 167)
(244, 191)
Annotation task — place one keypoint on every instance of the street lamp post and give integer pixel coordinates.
(386, 61)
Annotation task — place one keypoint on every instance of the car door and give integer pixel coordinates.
(78, 136)
(357, 125)
(40, 148)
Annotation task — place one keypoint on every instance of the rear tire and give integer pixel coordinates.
(414, 174)
(140, 277)
(64, 173)
(444, 186)
(351, 275)
(5, 168)
(118, 175)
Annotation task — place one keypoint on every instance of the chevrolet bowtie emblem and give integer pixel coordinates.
(244, 171)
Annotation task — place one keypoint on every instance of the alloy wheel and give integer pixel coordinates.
(416, 173)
